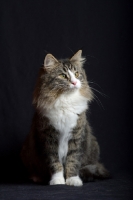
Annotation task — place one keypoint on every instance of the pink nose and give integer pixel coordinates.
(74, 83)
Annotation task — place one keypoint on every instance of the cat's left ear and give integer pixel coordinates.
(78, 57)
(50, 61)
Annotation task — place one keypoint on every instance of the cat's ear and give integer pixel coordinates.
(78, 57)
(50, 61)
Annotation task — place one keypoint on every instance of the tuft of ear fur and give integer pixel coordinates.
(50, 61)
(78, 57)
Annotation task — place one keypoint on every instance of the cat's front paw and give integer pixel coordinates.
(57, 178)
(74, 180)
(57, 181)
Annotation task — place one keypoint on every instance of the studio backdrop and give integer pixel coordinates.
(102, 29)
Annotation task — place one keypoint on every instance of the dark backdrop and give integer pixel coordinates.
(102, 29)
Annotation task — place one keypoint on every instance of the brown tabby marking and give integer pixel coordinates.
(60, 146)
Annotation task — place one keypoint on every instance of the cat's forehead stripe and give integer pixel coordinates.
(65, 68)
(68, 66)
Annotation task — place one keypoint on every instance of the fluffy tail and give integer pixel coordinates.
(90, 172)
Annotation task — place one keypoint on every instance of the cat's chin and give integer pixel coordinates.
(78, 86)
(73, 90)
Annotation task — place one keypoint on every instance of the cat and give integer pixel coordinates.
(60, 147)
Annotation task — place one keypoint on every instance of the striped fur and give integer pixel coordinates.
(60, 147)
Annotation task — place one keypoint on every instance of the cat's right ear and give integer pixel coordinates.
(50, 61)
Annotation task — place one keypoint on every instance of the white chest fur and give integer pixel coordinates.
(63, 116)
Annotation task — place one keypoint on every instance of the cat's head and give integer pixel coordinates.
(61, 76)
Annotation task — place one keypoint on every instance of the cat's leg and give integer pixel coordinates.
(49, 151)
(56, 169)
(73, 164)
(57, 178)
(91, 168)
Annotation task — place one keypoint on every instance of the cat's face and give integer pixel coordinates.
(64, 75)
(61, 76)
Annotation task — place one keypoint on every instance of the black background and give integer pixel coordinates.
(102, 29)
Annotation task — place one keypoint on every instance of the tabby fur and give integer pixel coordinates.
(60, 148)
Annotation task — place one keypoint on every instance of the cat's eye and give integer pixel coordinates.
(63, 76)
(76, 74)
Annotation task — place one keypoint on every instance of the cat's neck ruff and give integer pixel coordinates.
(72, 102)
(63, 115)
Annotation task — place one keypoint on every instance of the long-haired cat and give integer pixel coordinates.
(61, 146)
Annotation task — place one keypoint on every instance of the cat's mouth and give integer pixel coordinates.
(75, 85)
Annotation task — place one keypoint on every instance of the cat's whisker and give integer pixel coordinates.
(95, 96)
(104, 95)
(95, 84)
(99, 87)
(98, 101)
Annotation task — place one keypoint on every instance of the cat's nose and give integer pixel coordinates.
(74, 82)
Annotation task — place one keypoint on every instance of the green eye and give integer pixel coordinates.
(63, 76)
(76, 74)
